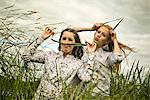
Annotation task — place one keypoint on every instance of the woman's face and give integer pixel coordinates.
(67, 38)
(101, 36)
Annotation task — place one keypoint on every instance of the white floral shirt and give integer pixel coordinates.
(59, 70)
(99, 65)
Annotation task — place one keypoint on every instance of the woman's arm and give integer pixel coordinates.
(33, 55)
(80, 29)
(116, 56)
(116, 49)
(93, 28)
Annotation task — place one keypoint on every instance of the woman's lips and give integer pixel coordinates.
(96, 38)
(65, 46)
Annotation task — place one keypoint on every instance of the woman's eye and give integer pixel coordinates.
(98, 31)
(64, 38)
(103, 34)
(69, 39)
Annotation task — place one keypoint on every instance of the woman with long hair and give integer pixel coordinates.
(61, 67)
(103, 56)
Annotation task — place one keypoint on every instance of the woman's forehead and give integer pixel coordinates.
(68, 34)
(104, 29)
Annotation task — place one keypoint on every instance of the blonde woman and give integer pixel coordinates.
(101, 55)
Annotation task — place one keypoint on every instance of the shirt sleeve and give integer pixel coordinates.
(31, 54)
(84, 73)
(85, 57)
(114, 58)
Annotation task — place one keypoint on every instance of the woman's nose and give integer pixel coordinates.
(66, 41)
(99, 35)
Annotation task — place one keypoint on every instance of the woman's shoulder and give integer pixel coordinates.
(50, 52)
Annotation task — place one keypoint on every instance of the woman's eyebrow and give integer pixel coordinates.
(104, 33)
(99, 31)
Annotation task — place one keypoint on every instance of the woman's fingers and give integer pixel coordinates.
(91, 47)
(97, 25)
(113, 34)
(48, 31)
(88, 43)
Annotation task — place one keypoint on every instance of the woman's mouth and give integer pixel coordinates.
(65, 46)
(96, 38)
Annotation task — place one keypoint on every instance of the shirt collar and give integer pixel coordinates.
(60, 53)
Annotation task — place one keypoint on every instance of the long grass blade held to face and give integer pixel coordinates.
(74, 44)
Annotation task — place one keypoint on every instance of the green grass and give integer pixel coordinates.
(12, 89)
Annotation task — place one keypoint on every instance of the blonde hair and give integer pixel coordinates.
(121, 45)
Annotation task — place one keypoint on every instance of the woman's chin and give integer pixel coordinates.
(95, 41)
(66, 52)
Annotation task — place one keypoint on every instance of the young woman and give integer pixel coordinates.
(101, 55)
(61, 67)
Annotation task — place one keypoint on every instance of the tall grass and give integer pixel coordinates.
(132, 86)
(18, 81)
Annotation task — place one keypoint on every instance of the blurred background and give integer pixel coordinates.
(133, 31)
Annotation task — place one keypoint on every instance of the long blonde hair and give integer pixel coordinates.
(122, 46)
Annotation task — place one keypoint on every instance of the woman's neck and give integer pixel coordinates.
(65, 54)
(99, 45)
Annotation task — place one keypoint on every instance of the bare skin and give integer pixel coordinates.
(67, 38)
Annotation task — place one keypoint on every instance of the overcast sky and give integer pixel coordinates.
(134, 30)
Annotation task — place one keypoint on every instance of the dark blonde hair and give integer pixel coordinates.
(111, 47)
(111, 44)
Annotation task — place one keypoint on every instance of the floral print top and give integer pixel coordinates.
(59, 70)
(99, 64)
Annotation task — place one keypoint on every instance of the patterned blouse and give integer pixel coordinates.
(99, 64)
(59, 70)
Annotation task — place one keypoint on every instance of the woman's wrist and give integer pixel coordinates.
(115, 40)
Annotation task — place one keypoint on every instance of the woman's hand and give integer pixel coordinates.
(91, 47)
(96, 26)
(117, 49)
(113, 35)
(47, 32)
